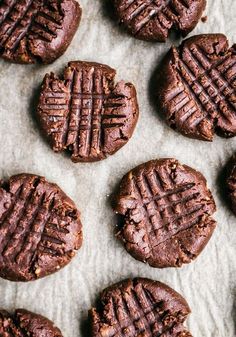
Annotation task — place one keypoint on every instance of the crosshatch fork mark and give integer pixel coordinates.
(138, 313)
(89, 115)
(29, 28)
(154, 212)
(206, 90)
(210, 80)
(39, 220)
(139, 14)
(26, 17)
(34, 215)
(202, 98)
(138, 308)
(166, 210)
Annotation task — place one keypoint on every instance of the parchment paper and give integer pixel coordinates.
(209, 283)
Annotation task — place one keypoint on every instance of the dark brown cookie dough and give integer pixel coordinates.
(40, 228)
(197, 87)
(24, 323)
(166, 213)
(140, 307)
(38, 30)
(231, 183)
(153, 19)
(86, 113)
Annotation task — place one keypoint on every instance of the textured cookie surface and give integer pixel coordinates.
(197, 87)
(86, 113)
(140, 307)
(231, 183)
(37, 30)
(26, 324)
(153, 19)
(40, 228)
(166, 213)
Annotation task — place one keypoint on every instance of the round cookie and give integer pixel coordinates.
(140, 307)
(40, 228)
(24, 323)
(231, 183)
(152, 20)
(86, 113)
(197, 87)
(166, 213)
(39, 30)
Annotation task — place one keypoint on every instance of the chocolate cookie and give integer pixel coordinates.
(25, 323)
(153, 19)
(231, 183)
(140, 307)
(40, 228)
(197, 87)
(38, 30)
(166, 213)
(86, 113)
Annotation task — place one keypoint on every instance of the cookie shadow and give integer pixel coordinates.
(175, 37)
(109, 14)
(221, 183)
(111, 203)
(86, 322)
(85, 327)
(233, 311)
(109, 11)
(33, 103)
(153, 86)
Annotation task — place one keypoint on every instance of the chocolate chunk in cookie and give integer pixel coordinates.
(40, 228)
(197, 87)
(38, 30)
(152, 20)
(166, 213)
(140, 307)
(86, 113)
(24, 323)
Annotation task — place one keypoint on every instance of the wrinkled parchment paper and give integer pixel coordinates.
(209, 283)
